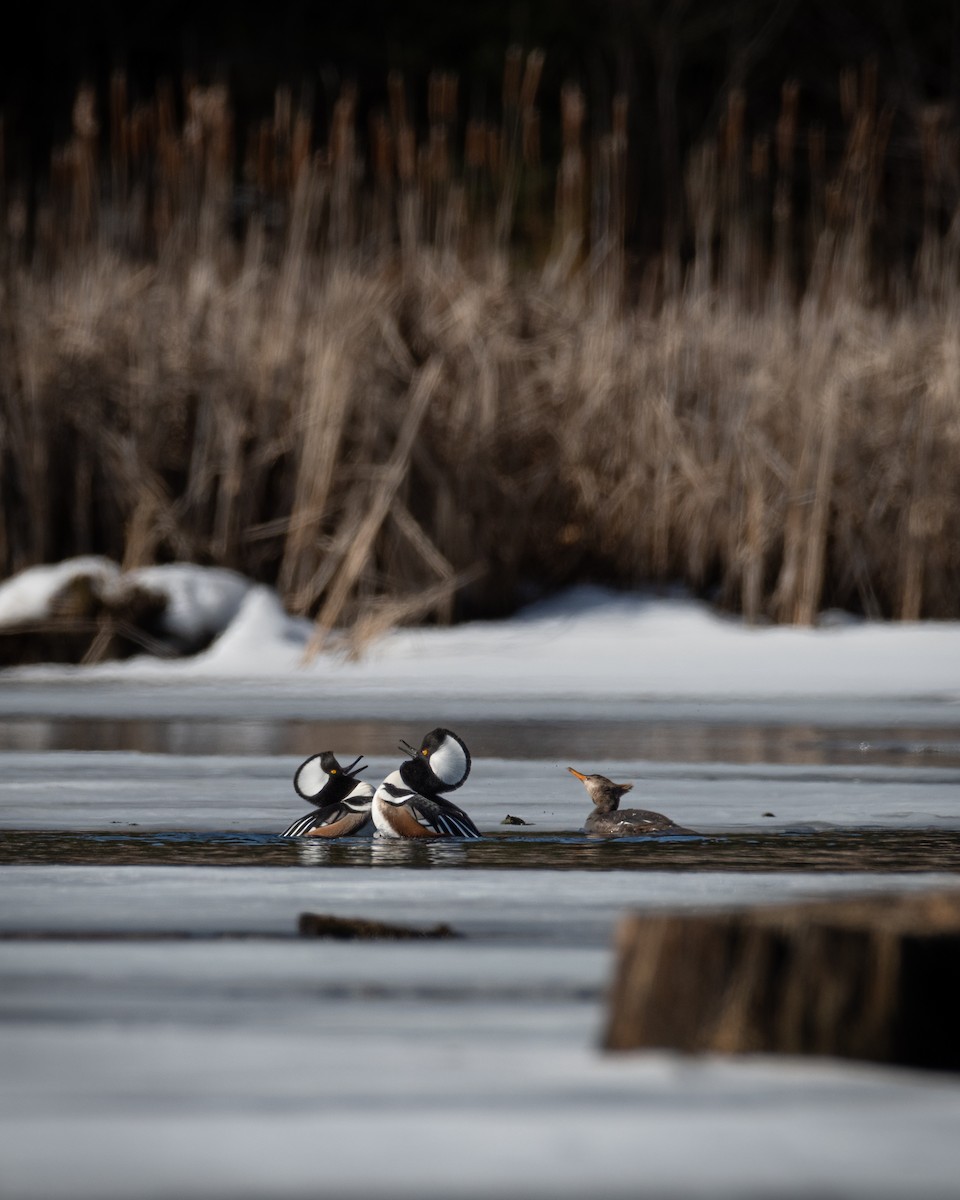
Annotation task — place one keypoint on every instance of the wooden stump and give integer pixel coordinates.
(875, 978)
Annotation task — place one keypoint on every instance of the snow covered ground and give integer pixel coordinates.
(585, 651)
(266, 1066)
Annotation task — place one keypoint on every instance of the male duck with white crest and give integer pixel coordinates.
(342, 801)
(409, 803)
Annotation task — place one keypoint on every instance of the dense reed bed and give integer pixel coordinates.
(413, 373)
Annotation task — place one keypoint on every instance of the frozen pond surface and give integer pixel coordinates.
(212, 1053)
(296, 1068)
(261, 1066)
(164, 1033)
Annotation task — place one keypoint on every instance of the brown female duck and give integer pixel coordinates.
(609, 820)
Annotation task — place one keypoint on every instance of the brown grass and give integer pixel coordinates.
(386, 381)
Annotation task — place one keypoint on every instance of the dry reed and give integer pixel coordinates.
(381, 381)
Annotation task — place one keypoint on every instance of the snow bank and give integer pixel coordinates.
(585, 644)
(201, 602)
(262, 638)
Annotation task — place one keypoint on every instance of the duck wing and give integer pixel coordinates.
(340, 818)
(655, 821)
(444, 817)
(632, 822)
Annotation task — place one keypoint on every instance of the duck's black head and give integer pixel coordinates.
(603, 792)
(441, 764)
(321, 776)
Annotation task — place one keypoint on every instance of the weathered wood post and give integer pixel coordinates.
(873, 978)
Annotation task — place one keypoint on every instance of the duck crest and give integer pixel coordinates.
(441, 764)
(323, 773)
(604, 793)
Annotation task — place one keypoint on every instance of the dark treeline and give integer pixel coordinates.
(677, 62)
(329, 297)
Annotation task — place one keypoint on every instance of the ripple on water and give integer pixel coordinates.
(866, 850)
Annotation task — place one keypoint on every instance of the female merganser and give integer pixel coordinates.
(343, 804)
(408, 803)
(607, 820)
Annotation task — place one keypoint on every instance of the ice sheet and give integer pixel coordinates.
(262, 1069)
(91, 790)
(586, 647)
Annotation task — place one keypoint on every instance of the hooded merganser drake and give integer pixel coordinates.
(409, 804)
(343, 803)
(608, 820)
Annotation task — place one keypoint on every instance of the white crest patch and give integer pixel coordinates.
(448, 762)
(310, 778)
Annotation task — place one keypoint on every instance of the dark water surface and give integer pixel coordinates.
(860, 850)
(590, 739)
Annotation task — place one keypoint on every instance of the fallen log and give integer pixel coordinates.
(88, 622)
(344, 929)
(876, 978)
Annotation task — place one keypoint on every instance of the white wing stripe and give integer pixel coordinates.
(299, 828)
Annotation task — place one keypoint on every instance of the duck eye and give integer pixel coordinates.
(424, 753)
(333, 770)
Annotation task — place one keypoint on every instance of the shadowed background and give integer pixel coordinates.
(417, 313)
